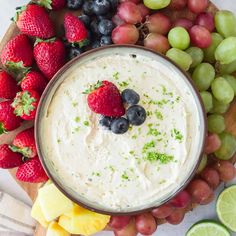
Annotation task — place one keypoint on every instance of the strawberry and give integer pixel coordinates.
(50, 56)
(8, 158)
(17, 55)
(104, 98)
(52, 4)
(75, 30)
(25, 104)
(34, 81)
(8, 86)
(8, 120)
(33, 20)
(24, 143)
(32, 172)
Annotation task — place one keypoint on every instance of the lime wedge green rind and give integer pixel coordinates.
(226, 207)
(208, 228)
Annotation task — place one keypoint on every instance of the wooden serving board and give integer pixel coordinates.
(32, 189)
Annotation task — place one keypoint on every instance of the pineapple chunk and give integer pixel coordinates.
(83, 221)
(56, 230)
(52, 202)
(75, 211)
(48, 182)
(65, 223)
(37, 214)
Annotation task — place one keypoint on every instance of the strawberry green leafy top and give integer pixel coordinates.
(24, 104)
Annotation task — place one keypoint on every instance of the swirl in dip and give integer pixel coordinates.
(135, 170)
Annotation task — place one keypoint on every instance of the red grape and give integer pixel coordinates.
(158, 23)
(176, 217)
(200, 36)
(211, 176)
(143, 10)
(117, 20)
(226, 170)
(181, 200)
(145, 223)
(183, 22)
(178, 4)
(125, 34)
(163, 211)
(157, 42)
(129, 12)
(199, 190)
(213, 143)
(208, 200)
(197, 6)
(134, 1)
(119, 222)
(129, 230)
(206, 20)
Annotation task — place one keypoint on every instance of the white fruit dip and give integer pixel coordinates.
(132, 170)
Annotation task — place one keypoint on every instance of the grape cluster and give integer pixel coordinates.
(134, 21)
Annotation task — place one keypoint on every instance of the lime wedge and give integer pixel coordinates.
(208, 228)
(226, 207)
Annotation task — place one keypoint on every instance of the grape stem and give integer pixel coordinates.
(217, 67)
(143, 30)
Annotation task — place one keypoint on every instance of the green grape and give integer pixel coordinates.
(216, 123)
(218, 107)
(207, 100)
(179, 38)
(181, 58)
(226, 69)
(156, 4)
(227, 148)
(225, 22)
(202, 164)
(203, 75)
(196, 54)
(209, 53)
(222, 90)
(226, 51)
(232, 81)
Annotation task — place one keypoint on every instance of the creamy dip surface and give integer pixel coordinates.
(134, 169)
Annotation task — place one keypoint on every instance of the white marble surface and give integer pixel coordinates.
(7, 184)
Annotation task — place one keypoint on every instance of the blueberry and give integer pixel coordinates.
(88, 8)
(96, 44)
(136, 115)
(74, 52)
(114, 4)
(85, 19)
(94, 27)
(105, 121)
(74, 4)
(66, 44)
(130, 97)
(101, 7)
(105, 40)
(120, 125)
(108, 16)
(105, 27)
(90, 36)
